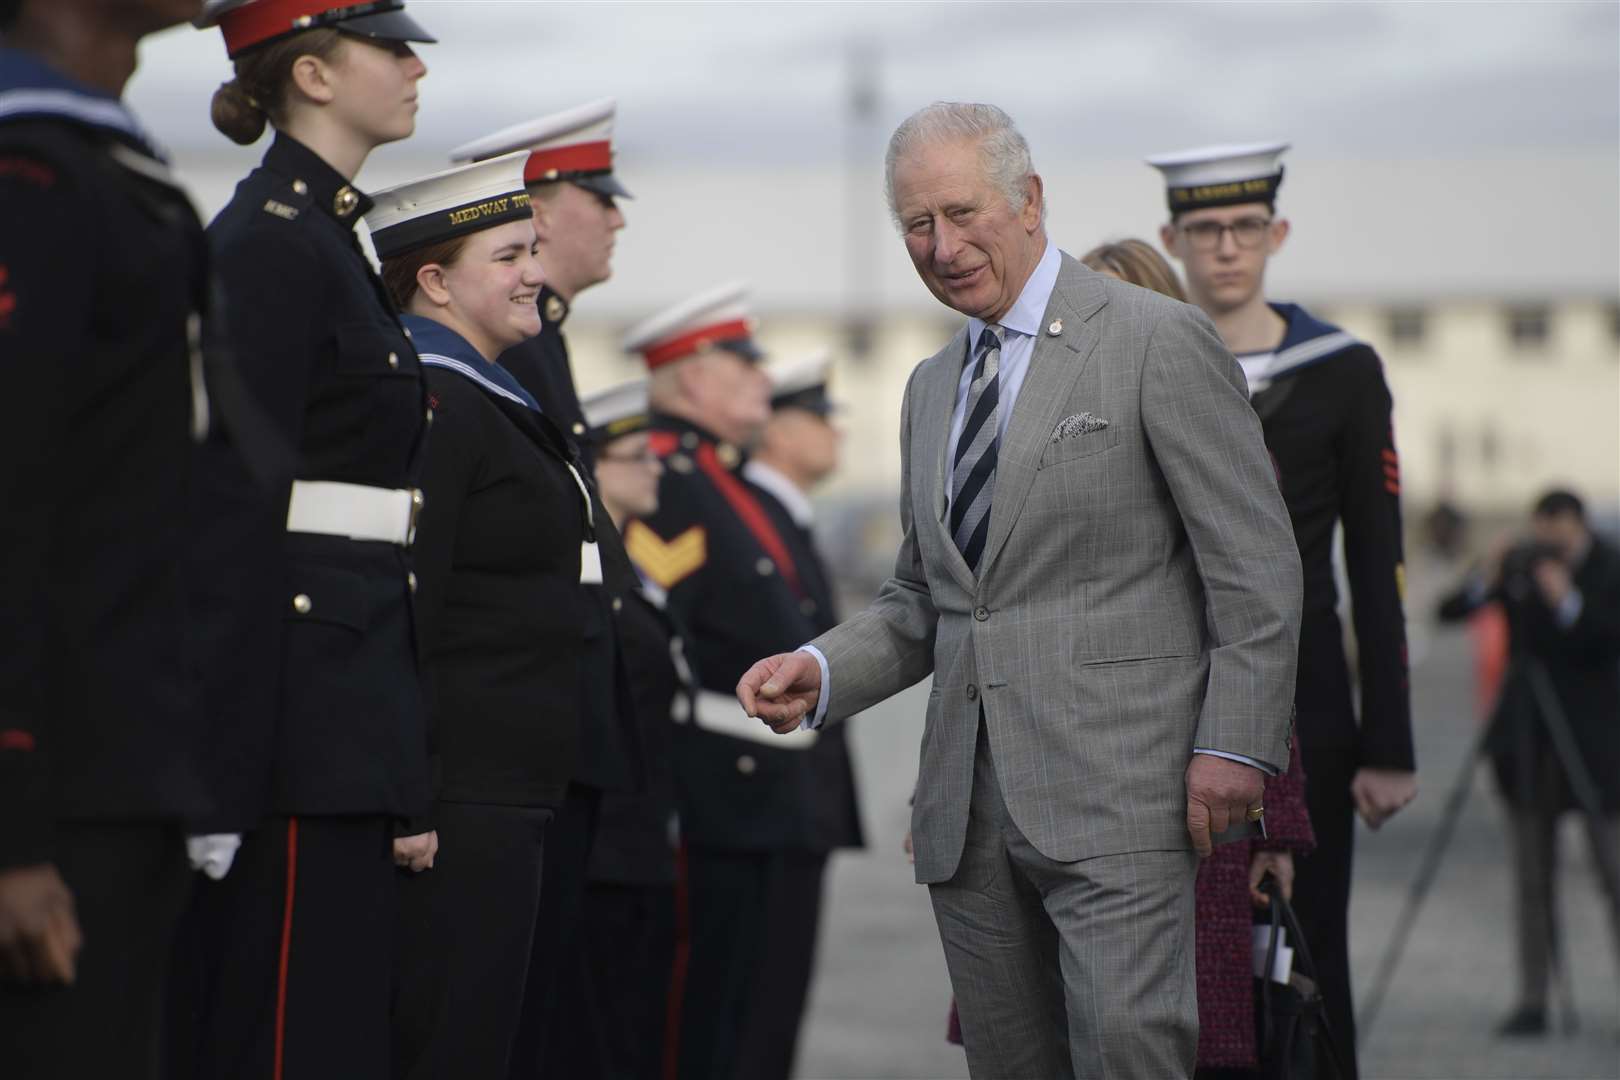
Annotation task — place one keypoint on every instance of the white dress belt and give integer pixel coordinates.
(356, 511)
(721, 714)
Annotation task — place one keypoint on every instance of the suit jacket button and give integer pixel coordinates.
(981, 613)
(746, 765)
(972, 692)
(302, 604)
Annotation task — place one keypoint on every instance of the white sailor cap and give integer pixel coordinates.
(615, 411)
(248, 24)
(466, 199)
(717, 319)
(574, 145)
(1221, 175)
(802, 383)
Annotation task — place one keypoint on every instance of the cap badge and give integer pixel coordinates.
(345, 201)
(1056, 328)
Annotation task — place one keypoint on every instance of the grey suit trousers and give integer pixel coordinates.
(1081, 970)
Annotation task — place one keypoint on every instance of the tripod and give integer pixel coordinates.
(1545, 705)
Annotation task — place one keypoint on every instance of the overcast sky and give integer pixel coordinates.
(765, 83)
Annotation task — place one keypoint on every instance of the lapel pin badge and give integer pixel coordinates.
(1056, 328)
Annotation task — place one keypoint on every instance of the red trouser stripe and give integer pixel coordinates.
(683, 959)
(286, 945)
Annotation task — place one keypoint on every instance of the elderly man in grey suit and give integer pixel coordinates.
(1098, 570)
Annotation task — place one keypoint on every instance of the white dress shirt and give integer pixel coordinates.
(1022, 327)
(786, 492)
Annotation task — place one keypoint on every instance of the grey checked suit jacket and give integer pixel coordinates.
(1139, 591)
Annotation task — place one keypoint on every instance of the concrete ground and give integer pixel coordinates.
(879, 1003)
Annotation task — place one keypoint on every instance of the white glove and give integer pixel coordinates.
(213, 853)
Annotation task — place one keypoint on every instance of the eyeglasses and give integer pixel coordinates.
(645, 457)
(1247, 233)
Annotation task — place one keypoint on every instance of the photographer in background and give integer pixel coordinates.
(1555, 735)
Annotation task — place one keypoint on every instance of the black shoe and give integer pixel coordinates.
(1523, 1022)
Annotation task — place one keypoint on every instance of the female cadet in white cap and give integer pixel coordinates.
(506, 539)
(322, 702)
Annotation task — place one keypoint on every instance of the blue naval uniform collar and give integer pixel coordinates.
(30, 89)
(1307, 341)
(439, 346)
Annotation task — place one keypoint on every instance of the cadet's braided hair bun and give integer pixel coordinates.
(258, 94)
(234, 112)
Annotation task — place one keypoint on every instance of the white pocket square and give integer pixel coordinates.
(1082, 424)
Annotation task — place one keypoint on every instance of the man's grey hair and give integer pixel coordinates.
(1002, 148)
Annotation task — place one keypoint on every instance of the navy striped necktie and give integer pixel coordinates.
(973, 472)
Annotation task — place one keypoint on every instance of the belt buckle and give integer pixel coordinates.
(417, 502)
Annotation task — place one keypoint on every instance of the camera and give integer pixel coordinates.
(1518, 567)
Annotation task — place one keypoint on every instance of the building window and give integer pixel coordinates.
(1529, 326)
(1407, 326)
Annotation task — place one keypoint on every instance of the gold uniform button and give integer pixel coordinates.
(393, 360)
(410, 581)
(579, 428)
(554, 309)
(689, 440)
(300, 188)
(430, 418)
(764, 566)
(746, 765)
(728, 455)
(407, 330)
(345, 202)
(302, 604)
(618, 604)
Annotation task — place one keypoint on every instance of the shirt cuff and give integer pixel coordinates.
(813, 721)
(1239, 758)
(1568, 613)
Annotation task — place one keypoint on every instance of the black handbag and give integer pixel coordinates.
(1294, 1035)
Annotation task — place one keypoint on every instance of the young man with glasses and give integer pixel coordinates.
(1326, 411)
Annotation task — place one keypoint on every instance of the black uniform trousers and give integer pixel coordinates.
(285, 970)
(754, 916)
(129, 885)
(1322, 885)
(462, 957)
(554, 948)
(778, 1002)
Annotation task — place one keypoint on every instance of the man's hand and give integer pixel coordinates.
(39, 931)
(1380, 793)
(1553, 581)
(1219, 792)
(416, 853)
(1280, 865)
(781, 690)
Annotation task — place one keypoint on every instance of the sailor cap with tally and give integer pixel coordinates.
(802, 383)
(1221, 175)
(574, 145)
(617, 411)
(440, 207)
(247, 24)
(717, 319)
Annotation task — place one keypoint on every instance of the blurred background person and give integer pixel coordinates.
(298, 939)
(1228, 886)
(568, 174)
(102, 741)
(1555, 734)
(499, 606)
(797, 452)
(732, 581)
(1326, 410)
(629, 911)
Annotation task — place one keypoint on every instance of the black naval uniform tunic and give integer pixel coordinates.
(302, 925)
(834, 822)
(610, 756)
(500, 610)
(744, 803)
(101, 742)
(1326, 412)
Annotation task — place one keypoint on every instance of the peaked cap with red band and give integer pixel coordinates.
(574, 145)
(247, 24)
(717, 319)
